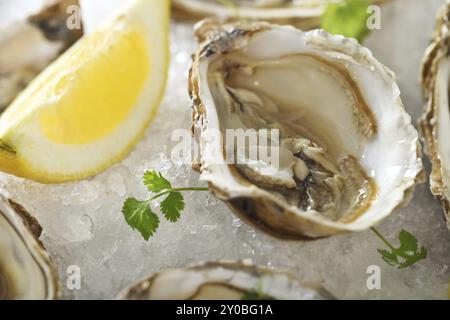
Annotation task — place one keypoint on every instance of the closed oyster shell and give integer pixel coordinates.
(224, 280)
(335, 105)
(435, 123)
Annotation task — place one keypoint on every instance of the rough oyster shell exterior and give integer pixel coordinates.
(26, 271)
(431, 122)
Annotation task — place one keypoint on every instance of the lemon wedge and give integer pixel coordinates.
(89, 107)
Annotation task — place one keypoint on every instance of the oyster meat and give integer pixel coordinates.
(25, 268)
(301, 13)
(346, 152)
(223, 281)
(435, 123)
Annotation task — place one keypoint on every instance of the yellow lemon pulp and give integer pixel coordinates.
(90, 106)
(82, 113)
(75, 110)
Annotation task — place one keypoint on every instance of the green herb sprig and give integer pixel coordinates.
(257, 293)
(139, 214)
(348, 18)
(407, 254)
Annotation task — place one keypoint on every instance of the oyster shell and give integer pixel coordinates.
(348, 154)
(28, 45)
(301, 13)
(222, 281)
(435, 123)
(25, 268)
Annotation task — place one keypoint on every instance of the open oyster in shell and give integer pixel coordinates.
(301, 13)
(435, 123)
(28, 44)
(346, 152)
(25, 268)
(224, 280)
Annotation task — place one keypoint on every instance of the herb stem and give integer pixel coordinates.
(167, 191)
(191, 189)
(382, 238)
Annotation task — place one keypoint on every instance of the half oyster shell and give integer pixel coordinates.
(25, 268)
(347, 153)
(435, 123)
(29, 44)
(224, 280)
(301, 13)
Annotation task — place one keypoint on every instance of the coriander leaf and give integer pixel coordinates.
(172, 206)
(257, 293)
(251, 295)
(155, 182)
(348, 18)
(408, 250)
(409, 260)
(406, 254)
(389, 257)
(408, 243)
(139, 216)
